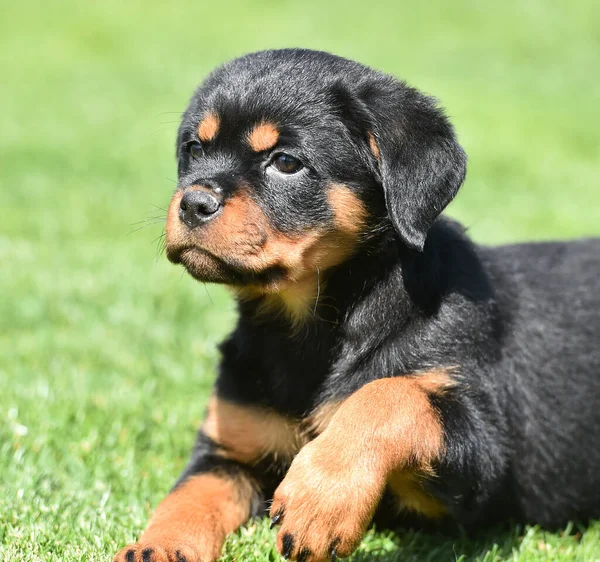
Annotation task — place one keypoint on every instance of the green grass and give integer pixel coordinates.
(106, 353)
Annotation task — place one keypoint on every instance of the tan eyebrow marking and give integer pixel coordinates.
(208, 127)
(263, 137)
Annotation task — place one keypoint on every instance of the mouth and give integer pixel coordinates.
(204, 266)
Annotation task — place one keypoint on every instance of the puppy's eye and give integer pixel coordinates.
(195, 149)
(287, 164)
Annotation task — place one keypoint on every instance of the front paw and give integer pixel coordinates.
(171, 551)
(325, 503)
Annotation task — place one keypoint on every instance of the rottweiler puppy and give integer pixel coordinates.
(383, 365)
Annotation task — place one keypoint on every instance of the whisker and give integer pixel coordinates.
(149, 220)
(145, 224)
(318, 291)
(206, 289)
(159, 237)
(159, 208)
(162, 129)
(161, 245)
(140, 228)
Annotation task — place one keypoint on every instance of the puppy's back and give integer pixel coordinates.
(551, 370)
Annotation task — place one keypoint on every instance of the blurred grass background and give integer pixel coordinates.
(107, 353)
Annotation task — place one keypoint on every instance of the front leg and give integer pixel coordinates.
(221, 487)
(335, 483)
(191, 523)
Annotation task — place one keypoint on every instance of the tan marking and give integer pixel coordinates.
(238, 235)
(243, 236)
(435, 381)
(374, 147)
(309, 257)
(296, 299)
(409, 486)
(172, 226)
(408, 429)
(318, 420)
(208, 127)
(295, 302)
(181, 246)
(248, 434)
(348, 210)
(195, 519)
(263, 137)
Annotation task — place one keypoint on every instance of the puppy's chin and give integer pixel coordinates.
(202, 266)
(208, 268)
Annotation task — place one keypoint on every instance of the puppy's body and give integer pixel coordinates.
(521, 338)
(382, 363)
(549, 377)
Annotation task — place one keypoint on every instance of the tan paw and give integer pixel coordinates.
(171, 551)
(325, 503)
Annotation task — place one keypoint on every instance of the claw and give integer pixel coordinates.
(288, 545)
(130, 556)
(276, 518)
(303, 555)
(332, 554)
(147, 555)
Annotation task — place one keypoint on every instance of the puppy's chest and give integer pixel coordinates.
(283, 374)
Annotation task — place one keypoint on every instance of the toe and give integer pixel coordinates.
(287, 545)
(144, 552)
(126, 554)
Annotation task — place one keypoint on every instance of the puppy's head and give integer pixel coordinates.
(288, 160)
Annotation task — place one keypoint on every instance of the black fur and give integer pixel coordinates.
(519, 324)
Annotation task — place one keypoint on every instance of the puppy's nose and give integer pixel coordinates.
(197, 207)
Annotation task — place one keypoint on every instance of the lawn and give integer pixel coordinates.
(107, 352)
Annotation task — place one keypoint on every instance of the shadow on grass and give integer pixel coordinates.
(493, 545)
(256, 543)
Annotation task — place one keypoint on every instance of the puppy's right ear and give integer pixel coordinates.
(422, 165)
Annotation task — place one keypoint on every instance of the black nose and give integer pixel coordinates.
(196, 207)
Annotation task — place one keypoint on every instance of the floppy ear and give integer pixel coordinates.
(421, 163)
